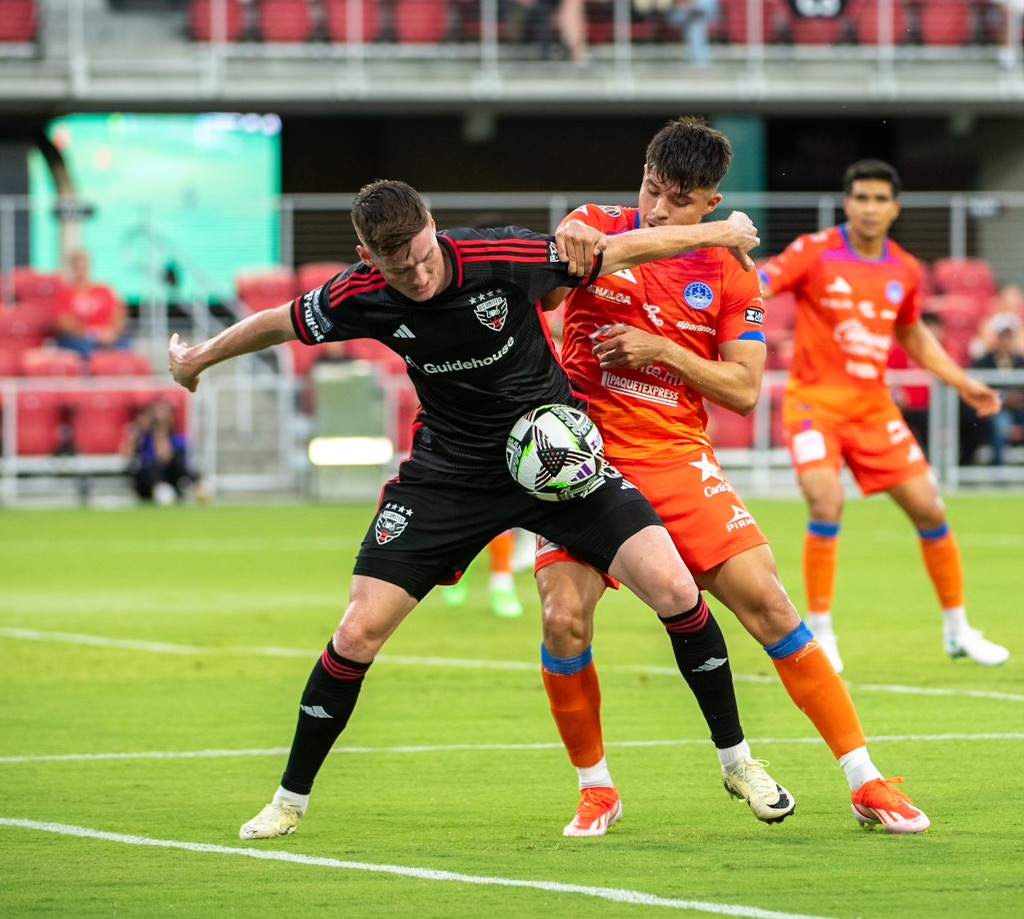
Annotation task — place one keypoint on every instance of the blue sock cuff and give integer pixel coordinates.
(937, 533)
(793, 642)
(824, 530)
(566, 666)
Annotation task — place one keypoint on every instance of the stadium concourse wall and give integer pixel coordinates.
(252, 419)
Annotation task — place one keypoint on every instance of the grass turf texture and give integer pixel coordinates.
(219, 586)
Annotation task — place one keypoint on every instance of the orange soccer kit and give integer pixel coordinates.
(654, 428)
(838, 406)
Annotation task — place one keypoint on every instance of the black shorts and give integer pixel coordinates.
(432, 522)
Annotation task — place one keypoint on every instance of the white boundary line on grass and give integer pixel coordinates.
(616, 895)
(474, 748)
(160, 647)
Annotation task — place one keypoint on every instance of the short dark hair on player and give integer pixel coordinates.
(387, 214)
(872, 170)
(690, 154)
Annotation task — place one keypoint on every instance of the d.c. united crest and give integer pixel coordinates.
(391, 523)
(492, 313)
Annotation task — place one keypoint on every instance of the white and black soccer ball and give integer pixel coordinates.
(556, 453)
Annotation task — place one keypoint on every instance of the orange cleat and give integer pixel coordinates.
(600, 809)
(878, 802)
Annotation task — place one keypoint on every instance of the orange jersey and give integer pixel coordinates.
(697, 300)
(848, 310)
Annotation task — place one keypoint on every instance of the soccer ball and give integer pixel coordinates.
(556, 453)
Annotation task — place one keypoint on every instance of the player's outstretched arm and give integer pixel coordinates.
(924, 348)
(652, 244)
(254, 333)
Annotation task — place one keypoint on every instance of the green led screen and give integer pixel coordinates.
(196, 192)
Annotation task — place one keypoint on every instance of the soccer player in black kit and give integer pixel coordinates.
(461, 307)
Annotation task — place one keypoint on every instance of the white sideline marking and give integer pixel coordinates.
(159, 647)
(476, 748)
(616, 895)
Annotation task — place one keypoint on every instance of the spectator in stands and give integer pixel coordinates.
(1004, 356)
(158, 455)
(694, 18)
(1009, 304)
(88, 315)
(540, 20)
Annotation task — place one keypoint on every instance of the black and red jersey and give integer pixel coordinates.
(479, 353)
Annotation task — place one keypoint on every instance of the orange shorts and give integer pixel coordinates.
(706, 519)
(879, 450)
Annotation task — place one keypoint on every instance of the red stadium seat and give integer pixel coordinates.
(99, 420)
(779, 314)
(972, 276)
(286, 21)
(51, 362)
(960, 315)
(729, 431)
(423, 22)
(369, 349)
(10, 359)
(19, 21)
(336, 17)
(865, 15)
(119, 363)
(316, 274)
(946, 22)
(40, 422)
(263, 290)
(37, 286)
(734, 27)
(206, 24)
(25, 326)
(818, 31)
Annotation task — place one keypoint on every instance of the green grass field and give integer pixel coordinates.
(153, 659)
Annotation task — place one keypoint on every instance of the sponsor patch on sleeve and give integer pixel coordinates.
(755, 316)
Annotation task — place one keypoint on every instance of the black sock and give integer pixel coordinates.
(327, 703)
(703, 661)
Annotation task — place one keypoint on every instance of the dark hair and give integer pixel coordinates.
(387, 214)
(690, 154)
(872, 169)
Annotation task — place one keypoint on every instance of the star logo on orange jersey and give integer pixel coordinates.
(708, 470)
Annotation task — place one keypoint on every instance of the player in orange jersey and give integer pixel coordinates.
(856, 290)
(646, 346)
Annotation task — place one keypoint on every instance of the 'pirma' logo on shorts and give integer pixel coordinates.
(698, 295)
(391, 522)
(740, 518)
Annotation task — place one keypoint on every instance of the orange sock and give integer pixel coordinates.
(821, 559)
(502, 549)
(576, 704)
(822, 696)
(942, 559)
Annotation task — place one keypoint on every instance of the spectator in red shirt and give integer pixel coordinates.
(88, 315)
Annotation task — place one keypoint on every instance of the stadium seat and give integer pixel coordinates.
(336, 13)
(41, 423)
(729, 431)
(369, 349)
(36, 286)
(119, 363)
(734, 21)
(286, 21)
(19, 21)
(865, 15)
(946, 22)
(265, 289)
(779, 314)
(423, 22)
(316, 274)
(972, 276)
(99, 420)
(205, 24)
(960, 315)
(819, 31)
(10, 359)
(25, 326)
(51, 362)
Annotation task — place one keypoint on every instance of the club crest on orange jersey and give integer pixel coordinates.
(698, 295)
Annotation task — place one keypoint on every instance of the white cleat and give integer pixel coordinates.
(768, 800)
(274, 820)
(971, 643)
